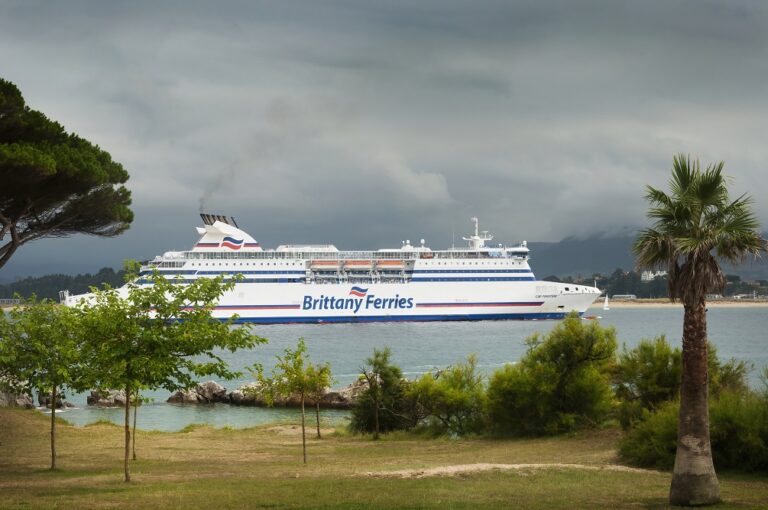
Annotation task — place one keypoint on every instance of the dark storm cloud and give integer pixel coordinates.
(366, 123)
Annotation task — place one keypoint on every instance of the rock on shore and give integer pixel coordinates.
(8, 399)
(44, 399)
(106, 398)
(204, 393)
(250, 394)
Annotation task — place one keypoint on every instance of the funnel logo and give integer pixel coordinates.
(232, 243)
(358, 291)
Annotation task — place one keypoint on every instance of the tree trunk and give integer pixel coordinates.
(317, 415)
(53, 428)
(135, 413)
(303, 433)
(127, 432)
(694, 481)
(376, 414)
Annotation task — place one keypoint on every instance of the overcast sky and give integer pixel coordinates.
(365, 123)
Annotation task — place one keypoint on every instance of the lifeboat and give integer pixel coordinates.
(326, 264)
(358, 264)
(390, 264)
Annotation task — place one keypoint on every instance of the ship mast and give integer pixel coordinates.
(478, 240)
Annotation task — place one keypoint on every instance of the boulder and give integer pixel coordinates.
(8, 399)
(247, 395)
(211, 391)
(106, 398)
(44, 399)
(184, 397)
(352, 392)
(204, 393)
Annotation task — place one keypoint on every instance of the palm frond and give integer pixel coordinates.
(682, 175)
(654, 249)
(695, 225)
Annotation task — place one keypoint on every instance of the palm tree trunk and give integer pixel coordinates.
(694, 481)
(126, 467)
(303, 431)
(317, 415)
(53, 428)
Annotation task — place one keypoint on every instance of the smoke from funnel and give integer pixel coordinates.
(219, 181)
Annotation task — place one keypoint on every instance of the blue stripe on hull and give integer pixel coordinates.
(404, 318)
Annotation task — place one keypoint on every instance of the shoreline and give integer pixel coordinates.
(665, 303)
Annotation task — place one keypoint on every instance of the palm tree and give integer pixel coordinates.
(696, 225)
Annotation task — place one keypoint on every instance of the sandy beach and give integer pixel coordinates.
(665, 303)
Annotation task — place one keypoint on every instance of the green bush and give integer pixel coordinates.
(397, 409)
(729, 376)
(739, 431)
(645, 377)
(738, 434)
(562, 383)
(653, 441)
(453, 398)
(649, 374)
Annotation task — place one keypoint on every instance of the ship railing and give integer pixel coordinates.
(458, 253)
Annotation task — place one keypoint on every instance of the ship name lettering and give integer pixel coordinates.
(355, 304)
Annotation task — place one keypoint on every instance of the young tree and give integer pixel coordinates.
(385, 404)
(695, 225)
(295, 376)
(320, 380)
(138, 400)
(55, 184)
(41, 348)
(159, 336)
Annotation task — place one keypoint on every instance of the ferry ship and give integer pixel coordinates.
(321, 284)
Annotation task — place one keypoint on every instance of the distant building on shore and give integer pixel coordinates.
(647, 276)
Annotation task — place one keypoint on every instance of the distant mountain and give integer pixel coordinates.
(49, 286)
(572, 257)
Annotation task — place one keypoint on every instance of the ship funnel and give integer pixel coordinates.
(210, 219)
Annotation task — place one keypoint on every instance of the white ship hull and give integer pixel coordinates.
(320, 284)
(435, 301)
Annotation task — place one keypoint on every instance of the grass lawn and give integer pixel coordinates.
(261, 468)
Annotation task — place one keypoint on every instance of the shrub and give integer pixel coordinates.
(739, 431)
(396, 408)
(645, 377)
(728, 376)
(738, 434)
(653, 441)
(649, 374)
(562, 382)
(454, 398)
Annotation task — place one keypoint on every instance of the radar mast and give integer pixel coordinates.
(478, 240)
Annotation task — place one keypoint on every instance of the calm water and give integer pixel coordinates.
(419, 347)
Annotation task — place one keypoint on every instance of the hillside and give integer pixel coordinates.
(49, 286)
(585, 257)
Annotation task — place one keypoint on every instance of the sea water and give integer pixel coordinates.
(419, 347)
